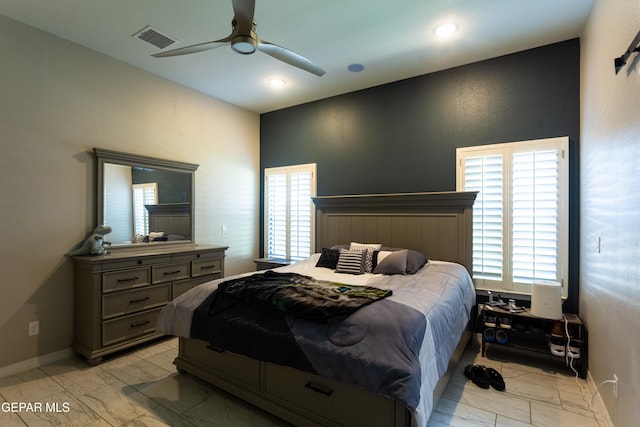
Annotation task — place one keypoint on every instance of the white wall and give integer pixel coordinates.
(59, 100)
(610, 204)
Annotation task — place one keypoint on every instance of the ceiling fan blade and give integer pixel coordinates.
(244, 11)
(290, 57)
(194, 48)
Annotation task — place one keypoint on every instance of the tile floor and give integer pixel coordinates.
(142, 388)
(538, 393)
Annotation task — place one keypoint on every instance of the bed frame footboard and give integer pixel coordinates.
(301, 398)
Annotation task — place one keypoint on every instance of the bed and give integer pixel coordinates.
(363, 368)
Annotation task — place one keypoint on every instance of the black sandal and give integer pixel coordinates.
(468, 371)
(477, 374)
(495, 379)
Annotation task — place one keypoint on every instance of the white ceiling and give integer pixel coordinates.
(394, 40)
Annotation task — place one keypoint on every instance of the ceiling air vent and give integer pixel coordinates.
(154, 37)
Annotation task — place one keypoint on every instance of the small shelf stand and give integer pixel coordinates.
(526, 332)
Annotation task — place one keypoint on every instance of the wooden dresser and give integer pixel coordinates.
(118, 296)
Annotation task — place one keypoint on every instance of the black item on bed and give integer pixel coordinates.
(301, 296)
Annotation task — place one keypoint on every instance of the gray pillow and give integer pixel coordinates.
(415, 260)
(394, 263)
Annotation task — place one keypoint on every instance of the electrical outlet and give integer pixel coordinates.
(615, 386)
(34, 328)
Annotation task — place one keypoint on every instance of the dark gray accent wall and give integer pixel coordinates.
(402, 136)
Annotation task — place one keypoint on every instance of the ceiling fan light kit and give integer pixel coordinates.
(244, 40)
(243, 45)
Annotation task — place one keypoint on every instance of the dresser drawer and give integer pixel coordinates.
(125, 279)
(127, 327)
(128, 302)
(231, 366)
(206, 267)
(170, 272)
(326, 397)
(116, 263)
(183, 286)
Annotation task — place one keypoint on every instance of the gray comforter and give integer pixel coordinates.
(399, 346)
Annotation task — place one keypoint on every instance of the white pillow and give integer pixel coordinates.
(155, 235)
(370, 248)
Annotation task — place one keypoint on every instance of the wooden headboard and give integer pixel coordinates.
(172, 218)
(437, 224)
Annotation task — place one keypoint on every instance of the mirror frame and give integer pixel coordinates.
(109, 156)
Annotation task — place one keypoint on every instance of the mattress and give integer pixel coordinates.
(398, 346)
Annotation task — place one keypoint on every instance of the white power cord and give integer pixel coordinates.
(570, 363)
(600, 385)
(568, 360)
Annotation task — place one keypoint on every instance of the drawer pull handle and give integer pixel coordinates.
(206, 267)
(130, 279)
(172, 272)
(319, 388)
(216, 349)
(137, 325)
(135, 301)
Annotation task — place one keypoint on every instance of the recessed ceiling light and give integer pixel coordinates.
(355, 68)
(277, 82)
(446, 30)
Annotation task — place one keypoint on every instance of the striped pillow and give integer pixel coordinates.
(351, 261)
(371, 248)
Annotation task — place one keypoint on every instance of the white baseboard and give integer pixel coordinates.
(36, 362)
(598, 403)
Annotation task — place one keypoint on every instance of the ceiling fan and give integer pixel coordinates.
(244, 40)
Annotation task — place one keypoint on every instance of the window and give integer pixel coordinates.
(289, 213)
(143, 194)
(520, 217)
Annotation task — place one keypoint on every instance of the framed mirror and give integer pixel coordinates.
(145, 200)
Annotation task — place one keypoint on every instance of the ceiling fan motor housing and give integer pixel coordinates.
(243, 44)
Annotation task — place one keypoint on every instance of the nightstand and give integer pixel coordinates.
(268, 263)
(526, 332)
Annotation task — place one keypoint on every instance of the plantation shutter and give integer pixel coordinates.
(520, 217)
(300, 214)
(289, 214)
(143, 194)
(484, 174)
(277, 222)
(535, 216)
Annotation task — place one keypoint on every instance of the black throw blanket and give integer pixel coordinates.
(300, 296)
